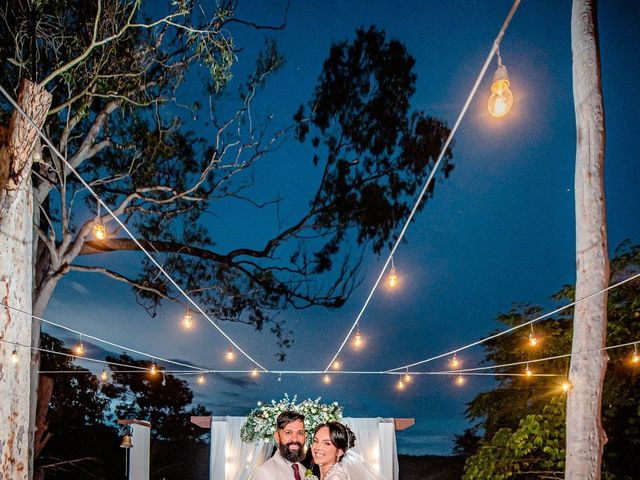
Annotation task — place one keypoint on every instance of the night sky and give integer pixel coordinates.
(499, 230)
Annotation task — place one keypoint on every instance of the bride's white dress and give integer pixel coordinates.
(353, 467)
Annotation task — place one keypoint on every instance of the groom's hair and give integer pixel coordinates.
(285, 418)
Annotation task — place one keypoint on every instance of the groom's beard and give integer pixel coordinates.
(292, 455)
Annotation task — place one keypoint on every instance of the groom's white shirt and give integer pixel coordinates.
(277, 468)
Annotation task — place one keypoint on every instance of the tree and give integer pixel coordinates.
(585, 435)
(534, 450)
(118, 74)
(75, 428)
(163, 400)
(503, 406)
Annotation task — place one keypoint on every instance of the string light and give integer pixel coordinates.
(455, 363)
(501, 98)
(336, 365)
(407, 377)
(400, 385)
(460, 380)
(566, 386)
(358, 340)
(201, 379)
(99, 230)
(104, 376)
(154, 368)
(231, 355)
(326, 379)
(533, 340)
(254, 372)
(14, 355)
(635, 357)
(392, 277)
(79, 348)
(187, 320)
(528, 371)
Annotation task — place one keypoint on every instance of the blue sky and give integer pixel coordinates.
(500, 230)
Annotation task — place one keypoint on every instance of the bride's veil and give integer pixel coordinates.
(358, 468)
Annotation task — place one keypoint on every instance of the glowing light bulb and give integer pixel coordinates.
(635, 358)
(79, 348)
(357, 340)
(455, 363)
(104, 376)
(14, 356)
(187, 320)
(533, 340)
(400, 385)
(231, 355)
(154, 368)
(254, 372)
(201, 379)
(501, 98)
(336, 365)
(528, 371)
(460, 380)
(407, 378)
(99, 230)
(326, 379)
(566, 386)
(392, 278)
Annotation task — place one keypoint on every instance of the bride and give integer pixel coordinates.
(332, 451)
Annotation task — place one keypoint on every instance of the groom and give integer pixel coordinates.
(285, 463)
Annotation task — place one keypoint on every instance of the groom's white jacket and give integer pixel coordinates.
(277, 468)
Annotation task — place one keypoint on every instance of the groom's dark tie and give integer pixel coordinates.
(296, 472)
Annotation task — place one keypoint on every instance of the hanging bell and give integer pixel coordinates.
(126, 441)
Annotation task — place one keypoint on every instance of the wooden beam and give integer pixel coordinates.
(205, 422)
(144, 423)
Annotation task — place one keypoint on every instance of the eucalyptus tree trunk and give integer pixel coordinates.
(585, 435)
(16, 274)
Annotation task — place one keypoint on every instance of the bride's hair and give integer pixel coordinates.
(340, 435)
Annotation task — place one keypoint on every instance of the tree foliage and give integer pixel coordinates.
(502, 408)
(123, 75)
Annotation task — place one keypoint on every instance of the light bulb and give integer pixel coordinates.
(326, 379)
(230, 354)
(528, 371)
(154, 368)
(187, 320)
(99, 231)
(460, 380)
(336, 365)
(357, 340)
(104, 375)
(455, 363)
(407, 378)
(635, 358)
(254, 372)
(392, 278)
(14, 356)
(533, 340)
(79, 348)
(201, 379)
(566, 386)
(400, 385)
(501, 98)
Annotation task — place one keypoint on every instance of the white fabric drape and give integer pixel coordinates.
(231, 458)
(389, 456)
(376, 443)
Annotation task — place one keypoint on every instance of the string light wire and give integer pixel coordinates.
(123, 226)
(432, 173)
(509, 330)
(102, 340)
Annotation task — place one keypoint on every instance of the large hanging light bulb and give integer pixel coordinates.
(533, 339)
(187, 320)
(154, 368)
(79, 348)
(201, 379)
(460, 380)
(99, 230)
(231, 355)
(455, 362)
(501, 98)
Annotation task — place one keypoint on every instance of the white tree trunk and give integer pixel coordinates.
(585, 435)
(16, 220)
